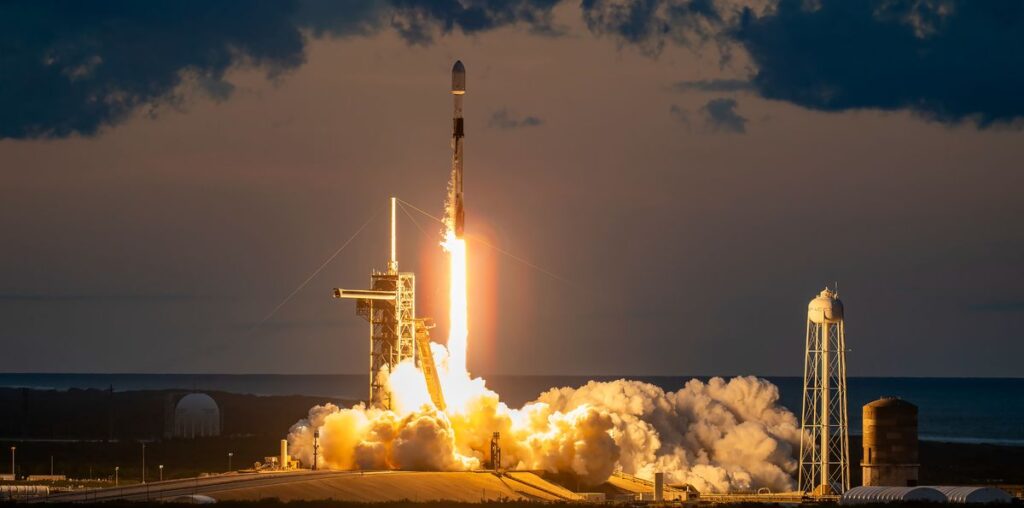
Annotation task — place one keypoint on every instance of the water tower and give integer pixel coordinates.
(824, 440)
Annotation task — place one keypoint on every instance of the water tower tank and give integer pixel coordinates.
(826, 308)
(890, 443)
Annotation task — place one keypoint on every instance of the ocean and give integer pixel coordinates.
(969, 410)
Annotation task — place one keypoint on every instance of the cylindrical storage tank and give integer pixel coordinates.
(890, 443)
(284, 454)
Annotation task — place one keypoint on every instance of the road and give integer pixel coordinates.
(189, 486)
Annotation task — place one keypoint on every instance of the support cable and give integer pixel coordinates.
(492, 246)
(281, 304)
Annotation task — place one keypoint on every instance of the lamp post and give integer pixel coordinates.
(143, 462)
(161, 467)
(13, 477)
(230, 454)
(117, 469)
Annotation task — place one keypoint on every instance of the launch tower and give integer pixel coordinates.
(390, 307)
(824, 437)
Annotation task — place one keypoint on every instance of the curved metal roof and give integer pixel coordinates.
(974, 494)
(865, 495)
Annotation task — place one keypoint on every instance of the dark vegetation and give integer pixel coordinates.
(147, 414)
(89, 432)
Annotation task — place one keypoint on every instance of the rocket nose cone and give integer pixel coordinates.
(458, 78)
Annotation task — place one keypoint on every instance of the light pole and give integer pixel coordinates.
(117, 469)
(13, 477)
(161, 467)
(316, 447)
(143, 462)
(230, 454)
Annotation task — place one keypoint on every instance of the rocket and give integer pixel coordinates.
(456, 213)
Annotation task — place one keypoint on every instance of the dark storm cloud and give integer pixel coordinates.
(503, 119)
(716, 115)
(650, 24)
(947, 61)
(1001, 306)
(681, 115)
(720, 116)
(75, 67)
(416, 20)
(714, 85)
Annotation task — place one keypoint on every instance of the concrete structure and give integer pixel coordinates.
(196, 415)
(873, 495)
(890, 443)
(824, 440)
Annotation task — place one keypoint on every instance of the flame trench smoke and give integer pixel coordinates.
(717, 436)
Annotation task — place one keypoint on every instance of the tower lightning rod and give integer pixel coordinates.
(393, 262)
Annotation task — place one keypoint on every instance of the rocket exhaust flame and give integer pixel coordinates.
(717, 436)
(458, 333)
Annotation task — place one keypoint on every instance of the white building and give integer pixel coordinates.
(196, 415)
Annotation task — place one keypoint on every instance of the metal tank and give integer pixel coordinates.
(890, 443)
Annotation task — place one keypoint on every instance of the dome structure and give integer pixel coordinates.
(196, 415)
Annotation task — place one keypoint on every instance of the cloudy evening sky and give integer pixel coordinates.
(652, 186)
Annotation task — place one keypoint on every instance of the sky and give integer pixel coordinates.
(652, 187)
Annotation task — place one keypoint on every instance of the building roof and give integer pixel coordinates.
(974, 494)
(890, 402)
(865, 495)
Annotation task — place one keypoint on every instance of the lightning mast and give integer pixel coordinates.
(390, 308)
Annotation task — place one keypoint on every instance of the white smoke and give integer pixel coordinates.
(718, 436)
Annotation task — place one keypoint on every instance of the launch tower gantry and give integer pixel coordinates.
(390, 308)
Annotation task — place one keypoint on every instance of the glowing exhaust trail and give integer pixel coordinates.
(458, 333)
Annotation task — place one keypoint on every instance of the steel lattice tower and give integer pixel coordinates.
(390, 307)
(824, 437)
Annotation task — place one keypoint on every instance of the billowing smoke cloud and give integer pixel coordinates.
(718, 436)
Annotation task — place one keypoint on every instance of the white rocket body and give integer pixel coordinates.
(456, 211)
